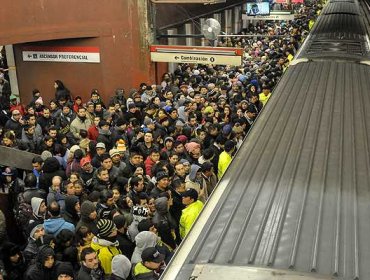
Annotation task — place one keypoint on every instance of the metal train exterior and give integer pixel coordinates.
(295, 201)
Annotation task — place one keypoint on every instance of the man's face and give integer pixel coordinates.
(53, 133)
(136, 160)
(46, 113)
(16, 116)
(179, 149)
(104, 176)
(82, 112)
(155, 156)
(148, 138)
(49, 262)
(174, 159)
(100, 151)
(32, 120)
(140, 186)
(43, 208)
(107, 163)
(116, 158)
(37, 166)
(163, 183)
(180, 170)
(91, 261)
(87, 167)
(186, 200)
(66, 110)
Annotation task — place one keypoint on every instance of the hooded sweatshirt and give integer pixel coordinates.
(70, 214)
(121, 267)
(38, 271)
(55, 225)
(36, 203)
(144, 239)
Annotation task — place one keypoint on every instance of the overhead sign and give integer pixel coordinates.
(199, 55)
(61, 54)
(272, 16)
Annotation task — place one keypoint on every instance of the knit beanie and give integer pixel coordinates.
(66, 269)
(105, 227)
(87, 207)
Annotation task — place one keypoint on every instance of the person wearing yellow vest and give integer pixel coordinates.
(225, 158)
(193, 207)
(265, 95)
(151, 265)
(106, 245)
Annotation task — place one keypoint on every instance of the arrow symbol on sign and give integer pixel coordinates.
(176, 57)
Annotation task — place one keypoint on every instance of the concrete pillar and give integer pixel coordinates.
(189, 29)
(237, 19)
(228, 22)
(172, 41)
(13, 80)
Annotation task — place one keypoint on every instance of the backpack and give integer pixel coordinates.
(23, 213)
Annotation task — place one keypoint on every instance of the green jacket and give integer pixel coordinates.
(141, 272)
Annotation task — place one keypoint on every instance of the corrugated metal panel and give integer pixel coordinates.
(297, 194)
(342, 8)
(340, 24)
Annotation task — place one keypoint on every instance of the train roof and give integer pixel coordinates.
(340, 32)
(295, 201)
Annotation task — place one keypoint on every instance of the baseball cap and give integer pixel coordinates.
(100, 145)
(192, 193)
(151, 254)
(84, 161)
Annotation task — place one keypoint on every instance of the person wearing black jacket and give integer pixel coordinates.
(126, 246)
(45, 266)
(50, 169)
(90, 268)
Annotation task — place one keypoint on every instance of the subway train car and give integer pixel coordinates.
(295, 201)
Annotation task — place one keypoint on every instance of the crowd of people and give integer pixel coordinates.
(117, 184)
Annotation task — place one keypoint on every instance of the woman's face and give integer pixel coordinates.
(73, 178)
(52, 105)
(55, 85)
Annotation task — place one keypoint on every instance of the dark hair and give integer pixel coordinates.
(208, 153)
(105, 195)
(60, 84)
(81, 233)
(145, 225)
(134, 182)
(100, 170)
(104, 156)
(83, 133)
(37, 159)
(177, 183)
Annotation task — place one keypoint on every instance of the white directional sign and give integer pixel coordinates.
(201, 55)
(61, 54)
(196, 58)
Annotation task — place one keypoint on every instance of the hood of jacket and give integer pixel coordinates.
(44, 252)
(54, 225)
(161, 205)
(99, 243)
(121, 266)
(70, 203)
(193, 172)
(143, 240)
(51, 165)
(35, 203)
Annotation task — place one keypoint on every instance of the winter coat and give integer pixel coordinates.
(144, 239)
(164, 222)
(38, 271)
(70, 215)
(140, 272)
(77, 124)
(86, 273)
(50, 169)
(106, 250)
(121, 267)
(188, 217)
(55, 225)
